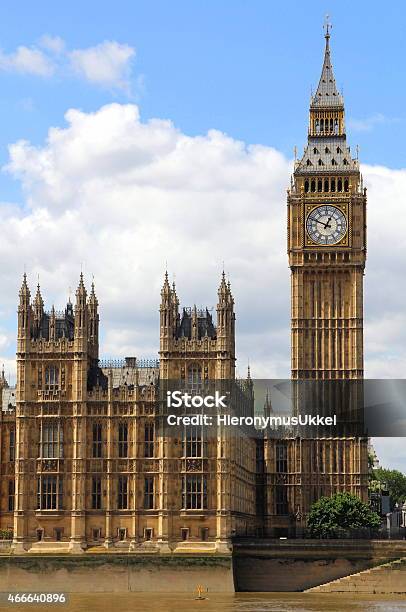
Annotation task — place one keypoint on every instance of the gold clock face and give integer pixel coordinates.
(326, 225)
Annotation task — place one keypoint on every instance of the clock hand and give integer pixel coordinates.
(326, 225)
(321, 223)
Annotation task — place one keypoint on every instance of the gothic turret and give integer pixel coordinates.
(80, 308)
(52, 324)
(226, 326)
(24, 311)
(168, 312)
(93, 321)
(225, 309)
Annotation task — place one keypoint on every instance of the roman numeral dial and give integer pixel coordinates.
(326, 225)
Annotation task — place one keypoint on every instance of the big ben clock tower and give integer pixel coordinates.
(327, 252)
(327, 244)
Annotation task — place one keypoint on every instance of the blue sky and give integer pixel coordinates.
(122, 195)
(245, 68)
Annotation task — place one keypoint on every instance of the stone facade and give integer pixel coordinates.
(92, 463)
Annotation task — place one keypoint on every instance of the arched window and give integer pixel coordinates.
(194, 373)
(326, 185)
(339, 185)
(313, 186)
(51, 378)
(306, 186)
(319, 185)
(333, 184)
(345, 184)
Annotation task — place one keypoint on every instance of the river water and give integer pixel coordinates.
(238, 602)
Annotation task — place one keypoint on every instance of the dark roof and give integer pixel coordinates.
(205, 325)
(64, 325)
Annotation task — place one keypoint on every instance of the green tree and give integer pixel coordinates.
(395, 481)
(331, 516)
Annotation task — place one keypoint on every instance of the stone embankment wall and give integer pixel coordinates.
(297, 565)
(115, 573)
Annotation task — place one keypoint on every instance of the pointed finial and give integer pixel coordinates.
(357, 151)
(327, 27)
(24, 291)
(166, 288)
(295, 152)
(81, 290)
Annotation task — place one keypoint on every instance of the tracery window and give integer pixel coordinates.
(51, 440)
(51, 378)
(194, 492)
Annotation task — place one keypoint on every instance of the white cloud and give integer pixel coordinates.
(54, 44)
(124, 197)
(107, 64)
(27, 60)
(369, 123)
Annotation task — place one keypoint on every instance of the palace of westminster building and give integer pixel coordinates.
(83, 459)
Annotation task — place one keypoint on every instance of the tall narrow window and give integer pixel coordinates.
(12, 445)
(122, 492)
(50, 493)
(51, 440)
(149, 493)
(123, 440)
(281, 500)
(11, 491)
(194, 376)
(192, 441)
(321, 458)
(51, 378)
(96, 493)
(149, 435)
(97, 444)
(281, 457)
(194, 492)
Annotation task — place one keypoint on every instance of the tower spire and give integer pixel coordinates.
(327, 94)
